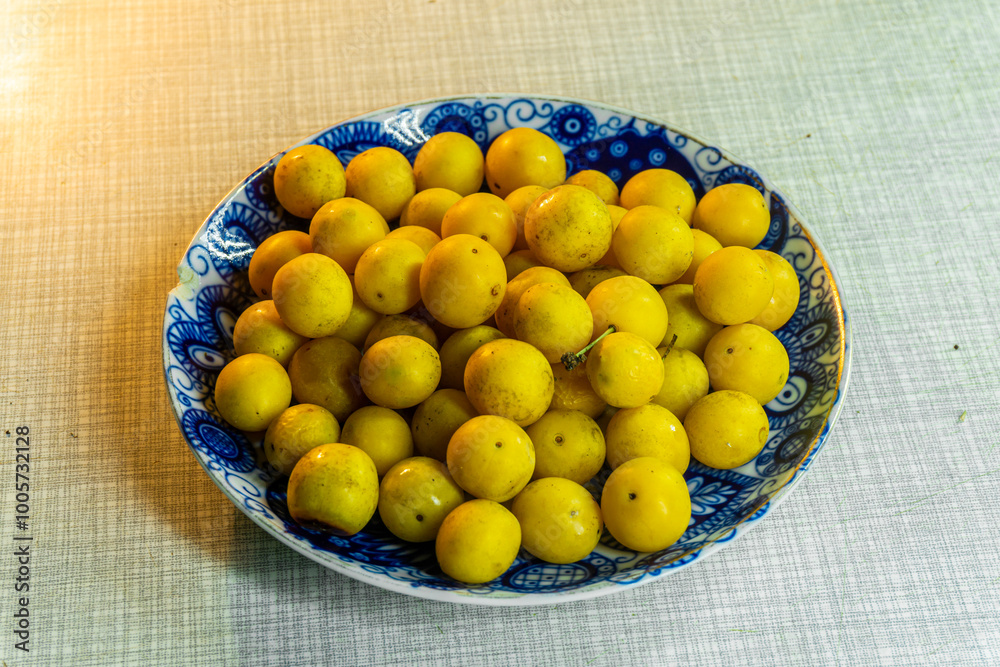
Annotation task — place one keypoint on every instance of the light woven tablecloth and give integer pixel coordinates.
(124, 122)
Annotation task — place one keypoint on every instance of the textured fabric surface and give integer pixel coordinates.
(125, 121)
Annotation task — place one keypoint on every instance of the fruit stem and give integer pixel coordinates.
(571, 360)
(669, 346)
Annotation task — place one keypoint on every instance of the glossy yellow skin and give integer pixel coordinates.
(457, 349)
(704, 245)
(560, 521)
(273, 253)
(296, 431)
(693, 330)
(307, 177)
(427, 208)
(685, 380)
(324, 372)
(523, 156)
(511, 379)
(462, 281)
(646, 504)
(507, 310)
(387, 275)
(334, 488)
(625, 370)
(484, 215)
(585, 280)
(568, 444)
(734, 213)
(436, 420)
(360, 321)
(519, 200)
(491, 457)
(381, 434)
(732, 286)
(609, 259)
(648, 430)
(313, 295)
(568, 228)
(399, 372)
(383, 178)
(554, 319)
(747, 358)
(597, 182)
(344, 228)
(660, 187)
(572, 391)
(785, 298)
(415, 496)
(424, 238)
(726, 429)
(401, 325)
(252, 390)
(260, 329)
(477, 542)
(632, 305)
(518, 262)
(450, 160)
(653, 244)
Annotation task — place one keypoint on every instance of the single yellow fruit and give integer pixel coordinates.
(427, 208)
(568, 444)
(585, 280)
(507, 310)
(553, 318)
(519, 200)
(333, 488)
(572, 391)
(401, 325)
(344, 228)
(747, 358)
(450, 160)
(646, 504)
(313, 295)
(630, 304)
(381, 434)
(252, 390)
(511, 379)
(462, 281)
(415, 496)
(387, 275)
(324, 372)
(273, 253)
(734, 213)
(518, 262)
(306, 178)
(477, 542)
(568, 228)
(785, 298)
(260, 329)
(523, 156)
(383, 178)
(436, 420)
(399, 372)
(360, 321)
(625, 370)
(685, 380)
(423, 237)
(296, 431)
(653, 244)
(732, 285)
(704, 245)
(560, 521)
(491, 457)
(457, 349)
(693, 330)
(484, 215)
(726, 429)
(597, 182)
(660, 187)
(648, 430)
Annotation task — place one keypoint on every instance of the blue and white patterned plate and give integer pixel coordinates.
(214, 290)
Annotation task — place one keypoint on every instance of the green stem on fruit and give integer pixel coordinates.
(571, 360)
(669, 346)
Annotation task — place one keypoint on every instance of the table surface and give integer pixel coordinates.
(125, 121)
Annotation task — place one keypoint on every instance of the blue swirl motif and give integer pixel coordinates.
(198, 331)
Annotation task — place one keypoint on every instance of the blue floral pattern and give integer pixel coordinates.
(201, 312)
